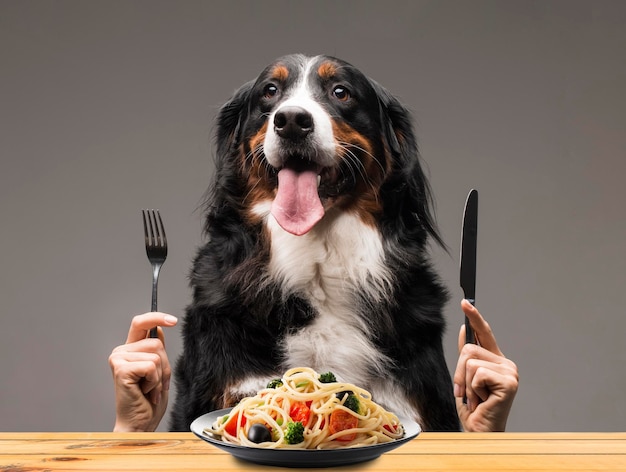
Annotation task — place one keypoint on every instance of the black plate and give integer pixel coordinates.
(301, 457)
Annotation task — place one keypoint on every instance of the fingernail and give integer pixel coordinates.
(457, 390)
(157, 399)
(169, 319)
(166, 385)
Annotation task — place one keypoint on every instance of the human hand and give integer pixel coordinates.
(141, 373)
(485, 376)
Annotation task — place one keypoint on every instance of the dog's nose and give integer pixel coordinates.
(293, 123)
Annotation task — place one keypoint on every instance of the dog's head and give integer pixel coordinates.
(313, 136)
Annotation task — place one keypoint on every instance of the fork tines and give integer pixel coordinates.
(154, 230)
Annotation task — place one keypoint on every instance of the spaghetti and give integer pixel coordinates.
(332, 415)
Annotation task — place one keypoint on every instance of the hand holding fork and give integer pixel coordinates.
(156, 249)
(140, 367)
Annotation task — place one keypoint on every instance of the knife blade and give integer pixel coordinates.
(468, 256)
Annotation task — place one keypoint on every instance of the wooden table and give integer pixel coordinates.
(20, 452)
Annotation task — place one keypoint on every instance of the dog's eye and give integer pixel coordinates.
(270, 91)
(341, 93)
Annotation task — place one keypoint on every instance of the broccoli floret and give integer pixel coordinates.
(327, 377)
(294, 433)
(274, 383)
(353, 403)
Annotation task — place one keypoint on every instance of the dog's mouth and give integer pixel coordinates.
(303, 188)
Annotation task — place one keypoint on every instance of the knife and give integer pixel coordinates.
(468, 256)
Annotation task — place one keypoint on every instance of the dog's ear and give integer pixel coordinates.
(407, 189)
(397, 126)
(385, 103)
(231, 117)
(221, 196)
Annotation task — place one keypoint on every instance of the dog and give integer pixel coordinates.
(318, 223)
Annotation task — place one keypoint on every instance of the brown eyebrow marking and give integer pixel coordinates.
(280, 73)
(327, 70)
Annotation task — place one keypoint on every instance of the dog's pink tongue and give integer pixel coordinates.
(297, 206)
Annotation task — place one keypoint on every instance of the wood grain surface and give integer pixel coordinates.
(20, 452)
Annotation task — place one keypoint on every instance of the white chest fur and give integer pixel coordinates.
(338, 259)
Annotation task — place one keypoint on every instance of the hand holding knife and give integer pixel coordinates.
(468, 256)
(500, 382)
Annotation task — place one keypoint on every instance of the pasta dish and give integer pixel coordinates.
(306, 410)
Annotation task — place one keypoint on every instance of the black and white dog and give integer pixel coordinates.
(318, 225)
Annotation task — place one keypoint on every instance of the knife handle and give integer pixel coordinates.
(469, 332)
(469, 336)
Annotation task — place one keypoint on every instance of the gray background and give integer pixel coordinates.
(108, 107)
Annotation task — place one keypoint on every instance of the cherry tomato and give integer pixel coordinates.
(231, 426)
(340, 420)
(301, 412)
(390, 428)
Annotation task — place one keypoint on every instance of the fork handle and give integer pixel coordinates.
(153, 306)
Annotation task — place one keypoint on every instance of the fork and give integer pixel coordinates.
(156, 248)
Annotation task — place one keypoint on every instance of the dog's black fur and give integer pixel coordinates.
(240, 315)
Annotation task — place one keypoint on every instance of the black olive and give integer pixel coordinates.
(340, 395)
(259, 433)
